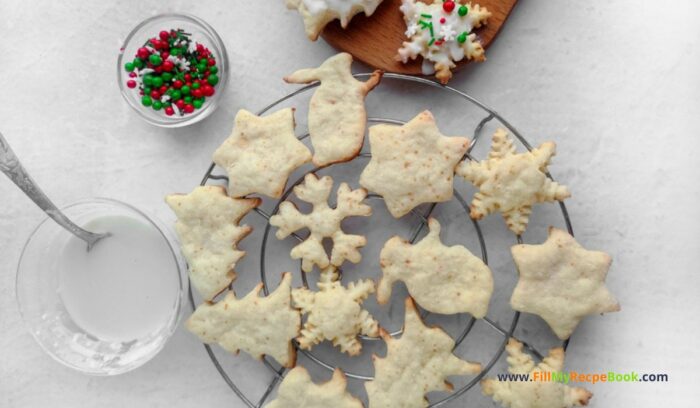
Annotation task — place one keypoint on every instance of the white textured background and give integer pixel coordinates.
(616, 84)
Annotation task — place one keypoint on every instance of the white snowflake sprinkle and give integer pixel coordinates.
(447, 32)
(412, 29)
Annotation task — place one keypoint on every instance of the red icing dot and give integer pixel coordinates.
(448, 6)
(442, 20)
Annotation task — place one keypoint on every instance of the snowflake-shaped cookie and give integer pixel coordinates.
(441, 33)
(257, 325)
(511, 182)
(341, 97)
(562, 282)
(415, 364)
(441, 279)
(318, 13)
(261, 153)
(208, 228)
(412, 164)
(540, 391)
(298, 391)
(323, 222)
(335, 314)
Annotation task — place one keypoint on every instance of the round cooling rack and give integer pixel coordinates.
(504, 333)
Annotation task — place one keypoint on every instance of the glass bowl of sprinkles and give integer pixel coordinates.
(173, 69)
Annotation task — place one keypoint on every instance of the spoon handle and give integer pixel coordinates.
(11, 166)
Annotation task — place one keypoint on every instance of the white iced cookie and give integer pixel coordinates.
(318, 13)
(562, 282)
(415, 364)
(334, 313)
(536, 393)
(323, 222)
(298, 391)
(441, 33)
(441, 279)
(511, 182)
(337, 116)
(261, 153)
(412, 164)
(257, 325)
(208, 228)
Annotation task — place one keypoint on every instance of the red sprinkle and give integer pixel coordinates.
(131, 83)
(169, 111)
(448, 6)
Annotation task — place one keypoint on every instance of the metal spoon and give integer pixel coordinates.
(10, 165)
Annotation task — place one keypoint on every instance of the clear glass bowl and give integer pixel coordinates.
(97, 320)
(201, 32)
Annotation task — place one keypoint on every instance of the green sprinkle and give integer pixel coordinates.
(463, 10)
(426, 15)
(432, 40)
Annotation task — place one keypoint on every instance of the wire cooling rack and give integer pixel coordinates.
(504, 333)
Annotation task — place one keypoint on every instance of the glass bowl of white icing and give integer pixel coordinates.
(109, 310)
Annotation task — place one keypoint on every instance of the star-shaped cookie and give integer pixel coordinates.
(511, 182)
(562, 282)
(415, 364)
(441, 279)
(257, 325)
(412, 164)
(335, 314)
(541, 391)
(298, 391)
(208, 227)
(261, 153)
(318, 13)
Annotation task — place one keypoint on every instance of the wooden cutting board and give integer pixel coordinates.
(375, 40)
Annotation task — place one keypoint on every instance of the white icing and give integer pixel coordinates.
(412, 29)
(447, 32)
(344, 8)
(445, 48)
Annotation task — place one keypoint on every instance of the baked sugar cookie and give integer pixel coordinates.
(322, 222)
(540, 391)
(441, 33)
(511, 182)
(208, 225)
(337, 116)
(441, 279)
(318, 13)
(562, 282)
(412, 164)
(298, 391)
(257, 325)
(415, 364)
(261, 153)
(334, 313)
